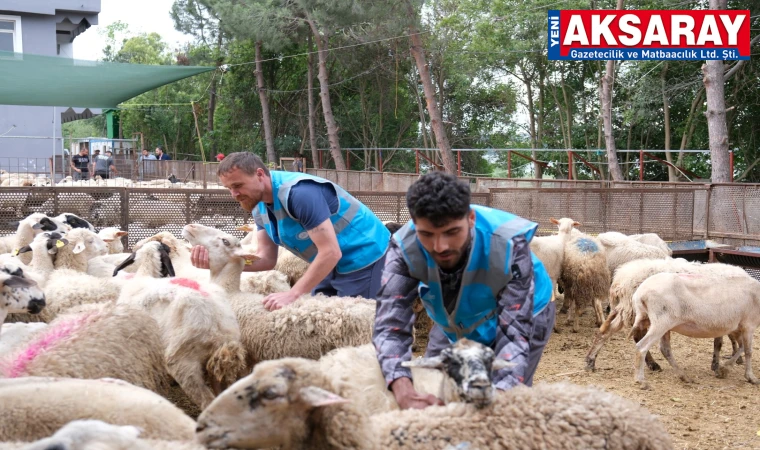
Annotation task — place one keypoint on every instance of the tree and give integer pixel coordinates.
(716, 114)
(606, 102)
(269, 139)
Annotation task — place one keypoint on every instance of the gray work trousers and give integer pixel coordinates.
(543, 324)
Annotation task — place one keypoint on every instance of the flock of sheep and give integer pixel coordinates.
(95, 337)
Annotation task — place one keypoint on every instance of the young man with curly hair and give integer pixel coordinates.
(473, 270)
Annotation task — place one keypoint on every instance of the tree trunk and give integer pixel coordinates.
(532, 125)
(690, 125)
(268, 138)
(312, 113)
(609, 138)
(716, 113)
(672, 176)
(436, 121)
(332, 127)
(212, 94)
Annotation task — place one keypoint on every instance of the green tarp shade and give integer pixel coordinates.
(36, 80)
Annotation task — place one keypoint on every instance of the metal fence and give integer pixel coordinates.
(729, 213)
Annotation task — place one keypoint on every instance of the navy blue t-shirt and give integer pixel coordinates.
(310, 203)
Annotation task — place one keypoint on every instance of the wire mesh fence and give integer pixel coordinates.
(727, 213)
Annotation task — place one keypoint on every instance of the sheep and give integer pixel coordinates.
(36, 407)
(627, 279)
(92, 434)
(19, 295)
(179, 253)
(654, 240)
(104, 341)
(198, 328)
(356, 374)
(695, 305)
(75, 221)
(291, 403)
(287, 262)
(584, 276)
(27, 229)
(14, 334)
(309, 327)
(550, 250)
(84, 245)
(112, 236)
(621, 249)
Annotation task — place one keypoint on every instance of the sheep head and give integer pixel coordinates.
(565, 224)
(75, 221)
(17, 293)
(270, 407)
(86, 243)
(468, 364)
(48, 241)
(222, 247)
(110, 234)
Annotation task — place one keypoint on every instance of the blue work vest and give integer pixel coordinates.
(486, 273)
(362, 237)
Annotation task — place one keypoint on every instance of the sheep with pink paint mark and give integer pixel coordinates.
(104, 341)
(199, 331)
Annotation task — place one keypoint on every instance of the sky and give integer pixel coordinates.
(141, 16)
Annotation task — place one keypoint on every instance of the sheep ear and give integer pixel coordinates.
(317, 397)
(499, 364)
(576, 224)
(79, 248)
(247, 254)
(107, 241)
(18, 282)
(436, 362)
(554, 221)
(54, 245)
(121, 233)
(166, 262)
(24, 249)
(248, 228)
(127, 262)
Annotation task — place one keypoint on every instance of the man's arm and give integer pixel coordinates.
(392, 335)
(328, 255)
(515, 305)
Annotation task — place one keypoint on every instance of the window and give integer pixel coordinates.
(10, 34)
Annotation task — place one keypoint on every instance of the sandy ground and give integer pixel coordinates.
(712, 413)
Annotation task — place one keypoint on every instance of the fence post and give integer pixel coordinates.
(398, 208)
(707, 212)
(56, 206)
(188, 219)
(203, 175)
(124, 194)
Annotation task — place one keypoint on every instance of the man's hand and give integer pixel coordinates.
(278, 300)
(199, 257)
(408, 398)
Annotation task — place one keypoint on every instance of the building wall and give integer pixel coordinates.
(31, 153)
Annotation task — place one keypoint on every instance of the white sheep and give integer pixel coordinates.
(27, 229)
(695, 305)
(621, 249)
(291, 403)
(179, 253)
(83, 246)
(584, 277)
(550, 250)
(14, 334)
(112, 236)
(19, 295)
(199, 331)
(102, 342)
(309, 327)
(36, 407)
(357, 376)
(75, 221)
(93, 434)
(627, 279)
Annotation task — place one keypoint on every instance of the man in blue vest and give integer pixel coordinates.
(344, 242)
(473, 270)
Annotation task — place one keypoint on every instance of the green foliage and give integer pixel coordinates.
(483, 55)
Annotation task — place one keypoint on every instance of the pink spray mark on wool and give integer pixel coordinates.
(17, 366)
(190, 284)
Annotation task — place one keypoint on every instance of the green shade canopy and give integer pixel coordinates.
(36, 80)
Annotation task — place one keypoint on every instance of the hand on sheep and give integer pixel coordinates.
(278, 300)
(408, 398)
(199, 257)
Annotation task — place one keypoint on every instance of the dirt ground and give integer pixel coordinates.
(712, 413)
